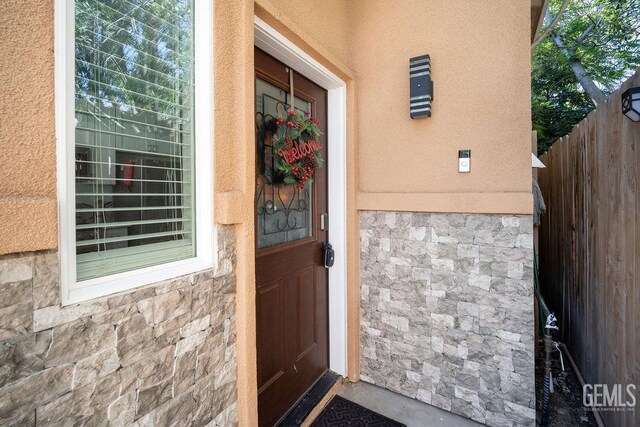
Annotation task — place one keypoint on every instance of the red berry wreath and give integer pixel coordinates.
(296, 149)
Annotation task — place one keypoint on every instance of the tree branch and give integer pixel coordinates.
(586, 32)
(553, 22)
(593, 92)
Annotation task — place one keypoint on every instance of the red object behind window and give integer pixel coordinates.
(127, 173)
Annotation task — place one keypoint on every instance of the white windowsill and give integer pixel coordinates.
(132, 280)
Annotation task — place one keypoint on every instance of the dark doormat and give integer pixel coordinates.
(343, 412)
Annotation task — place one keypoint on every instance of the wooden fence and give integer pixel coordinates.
(589, 246)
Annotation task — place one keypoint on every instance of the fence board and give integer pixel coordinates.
(589, 245)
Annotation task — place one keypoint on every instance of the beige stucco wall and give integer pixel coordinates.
(322, 25)
(480, 59)
(27, 139)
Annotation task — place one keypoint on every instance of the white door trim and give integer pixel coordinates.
(278, 46)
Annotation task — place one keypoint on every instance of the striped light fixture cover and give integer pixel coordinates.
(421, 93)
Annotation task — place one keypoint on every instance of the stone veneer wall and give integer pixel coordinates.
(158, 355)
(447, 311)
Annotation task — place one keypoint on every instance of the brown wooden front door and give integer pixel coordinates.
(291, 281)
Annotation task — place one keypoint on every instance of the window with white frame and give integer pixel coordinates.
(136, 205)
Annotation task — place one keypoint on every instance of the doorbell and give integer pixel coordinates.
(464, 161)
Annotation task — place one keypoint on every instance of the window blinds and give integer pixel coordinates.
(134, 138)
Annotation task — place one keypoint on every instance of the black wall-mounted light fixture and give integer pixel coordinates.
(631, 104)
(421, 92)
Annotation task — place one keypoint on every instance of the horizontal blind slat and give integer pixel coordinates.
(96, 264)
(144, 208)
(148, 12)
(129, 76)
(122, 15)
(182, 120)
(89, 162)
(107, 240)
(164, 181)
(152, 249)
(130, 223)
(128, 150)
(113, 57)
(130, 194)
(100, 43)
(126, 135)
(133, 122)
(130, 91)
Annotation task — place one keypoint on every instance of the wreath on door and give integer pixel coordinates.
(296, 149)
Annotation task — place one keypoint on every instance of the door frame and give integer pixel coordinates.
(278, 46)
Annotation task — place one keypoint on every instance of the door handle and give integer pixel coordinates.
(329, 255)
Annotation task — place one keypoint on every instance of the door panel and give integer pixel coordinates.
(291, 294)
(271, 321)
(306, 307)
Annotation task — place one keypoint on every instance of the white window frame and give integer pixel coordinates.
(64, 43)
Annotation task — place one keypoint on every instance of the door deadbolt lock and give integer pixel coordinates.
(329, 255)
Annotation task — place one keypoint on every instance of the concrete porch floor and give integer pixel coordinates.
(409, 411)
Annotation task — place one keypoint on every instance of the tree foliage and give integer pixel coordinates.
(131, 61)
(602, 37)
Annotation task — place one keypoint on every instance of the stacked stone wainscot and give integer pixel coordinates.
(157, 355)
(447, 311)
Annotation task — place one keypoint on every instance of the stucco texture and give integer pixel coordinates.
(28, 157)
(480, 58)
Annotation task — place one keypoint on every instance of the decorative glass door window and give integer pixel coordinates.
(283, 212)
(134, 135)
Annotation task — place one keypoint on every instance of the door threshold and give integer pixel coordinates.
(313, 401)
